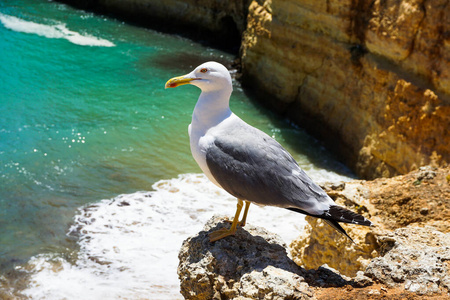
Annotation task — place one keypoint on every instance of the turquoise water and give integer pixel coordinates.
(85, 117)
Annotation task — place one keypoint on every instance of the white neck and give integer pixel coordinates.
(212, 108)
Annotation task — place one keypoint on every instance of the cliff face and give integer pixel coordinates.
(372, 78)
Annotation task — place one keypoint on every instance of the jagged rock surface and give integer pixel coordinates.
(418, 198)
(321, 244)
(253, 264)
(415, 258)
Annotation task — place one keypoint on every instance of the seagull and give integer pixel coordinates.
(248, 163)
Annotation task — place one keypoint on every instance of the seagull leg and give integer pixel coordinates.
(243, 221)
(221, 233)
(244, 217)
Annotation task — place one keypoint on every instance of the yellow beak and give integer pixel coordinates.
(177, 81)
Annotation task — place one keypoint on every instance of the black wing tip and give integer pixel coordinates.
(341, 214)
(332, 219)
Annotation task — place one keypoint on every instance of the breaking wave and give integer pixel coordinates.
(129, 245)
(58, 31)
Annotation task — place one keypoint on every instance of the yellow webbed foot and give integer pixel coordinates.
(221, 233)
(244, 218)
(240, 223)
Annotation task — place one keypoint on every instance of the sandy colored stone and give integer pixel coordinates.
(321, 244)
(414, 258)
(254, 264)
(420, 198)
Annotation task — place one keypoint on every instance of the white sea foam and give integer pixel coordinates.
(58, 31)
(129, 245)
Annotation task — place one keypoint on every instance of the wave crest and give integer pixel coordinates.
(129, 245)
(58, 31)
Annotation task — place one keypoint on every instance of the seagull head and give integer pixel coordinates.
(210, 76)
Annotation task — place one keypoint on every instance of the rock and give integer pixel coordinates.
(426, 173)
(253, 264)
(321, 244)
(390, 203)
(419, 198)
(415, 258)
(362, 280)
(200, 19)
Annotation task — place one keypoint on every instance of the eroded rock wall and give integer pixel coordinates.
(372, 78)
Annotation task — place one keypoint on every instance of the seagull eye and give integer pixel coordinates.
(204, 70)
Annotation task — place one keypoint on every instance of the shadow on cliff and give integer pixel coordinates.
(225, 36)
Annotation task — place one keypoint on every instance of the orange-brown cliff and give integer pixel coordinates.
(372, 78)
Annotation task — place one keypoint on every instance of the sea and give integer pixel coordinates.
(98, 188)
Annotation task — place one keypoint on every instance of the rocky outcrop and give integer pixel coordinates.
(414, 258)
(372, 78)
(321, 244)
(420, 198)
(254, 264)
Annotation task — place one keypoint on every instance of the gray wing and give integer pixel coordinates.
(250, 165)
